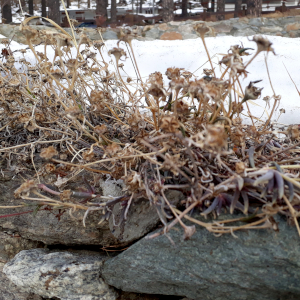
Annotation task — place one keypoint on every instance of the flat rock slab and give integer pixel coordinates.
(68, 276)
(259, 264)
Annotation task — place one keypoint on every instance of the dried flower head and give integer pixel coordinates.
(215, 136)
(293, 132)
(84, 39)
(65, 195)
(88, 155)
(133, 181)
(112, 149)
(173, 73)
(169, 124)
(25, 188)
(252, 92)
(49, 168)
(240, 167)
(156, 88)
(101, 129)
(48, 152)
(202, 29)
(117, 53)
(263, 44)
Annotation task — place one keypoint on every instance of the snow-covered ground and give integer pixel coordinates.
(190, 54)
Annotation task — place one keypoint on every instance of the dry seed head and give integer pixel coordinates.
(215, 136)
(263, 44)
(49, 168)
(169, 124)
(65, 195)
(25, 188)
(84, 39)
(112, 149)
(293, 132)
(117, 53)
(240, 167)
(183, 108)
(125, 36)
(208, 72)
(48, 152)
(100, 129)
(252, 92)
(177, 84)
(133, 181)
(202, 29)
(62, 40)
(173, 73)
(98, 44)
(88, 155)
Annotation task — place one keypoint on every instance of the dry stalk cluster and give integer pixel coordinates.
(74, 114)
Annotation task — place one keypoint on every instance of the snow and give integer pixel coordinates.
(159, 55)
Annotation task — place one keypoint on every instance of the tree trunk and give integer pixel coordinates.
(68, 3)
(89, 4)
(184, 11)
(254, 7)
(30, 7)
(237, 8)
(44, 5)
(113, 11)
(221, 9)
(101, 8)
(167, 13)
(54, 14)
(212, 5)
(6, 12)
(141, 6)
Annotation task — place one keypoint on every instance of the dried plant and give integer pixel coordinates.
(80, 117)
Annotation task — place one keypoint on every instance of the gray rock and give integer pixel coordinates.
(259, 264)
(287, 20)
(270, 29)
(239, 25)
(256, 22)
(68, 276)
(9, 291)
(50, 227)
(142, 218)
(188, 29)
(244, 32)
(152, 33)
(11, 244)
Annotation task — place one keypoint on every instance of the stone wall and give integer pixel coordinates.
(287, 26)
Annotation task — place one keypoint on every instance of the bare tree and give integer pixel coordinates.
(113, 11)
(167, 13)
(6, 11)
(101, 8)
(54, 13)
(44, 4)
(68, 3)
(184, 6)
(237, 8)
(221, 9)
(30, 7)
(254, 7)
